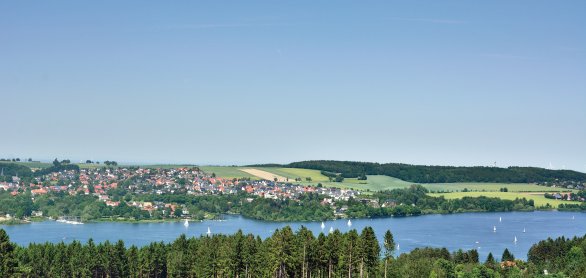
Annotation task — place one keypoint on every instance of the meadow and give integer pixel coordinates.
(228, 172)
(32, 164)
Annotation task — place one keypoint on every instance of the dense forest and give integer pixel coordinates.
(286, 253)
(441, 174)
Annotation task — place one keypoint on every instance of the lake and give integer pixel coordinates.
(453, 231)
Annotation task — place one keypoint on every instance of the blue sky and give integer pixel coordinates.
(423, 82)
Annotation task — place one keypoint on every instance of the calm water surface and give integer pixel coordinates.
(455, 231)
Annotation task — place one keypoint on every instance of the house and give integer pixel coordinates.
(389, 203)
(41, 191)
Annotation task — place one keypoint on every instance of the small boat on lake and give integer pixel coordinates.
(186, 223)
(323, 226)
(349, 223)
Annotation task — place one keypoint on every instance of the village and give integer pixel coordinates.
(107, 184)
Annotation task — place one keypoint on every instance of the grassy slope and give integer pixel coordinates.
(538, 198)
(227, 172)
(293, 173)
(33, 164)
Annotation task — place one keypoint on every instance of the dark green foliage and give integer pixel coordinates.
(8, 170)
(307, 208)
(439, 174)
(285, 254)
(57, 167)
(414, 201)
(507, 256)
(7, 260)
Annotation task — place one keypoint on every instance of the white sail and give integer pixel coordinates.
(523, 229)
(515, 239)
(494, 228)
(500, 219)
(398, 247)
(349, 223)
(331, 229)
(323, 226)
(186, 223)
(209, 231)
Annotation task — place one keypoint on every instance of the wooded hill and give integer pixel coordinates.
(439, 174)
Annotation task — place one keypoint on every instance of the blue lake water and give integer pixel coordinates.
(454, 231)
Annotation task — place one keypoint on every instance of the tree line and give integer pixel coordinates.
(306, 207)
(286, 253)
(440, 174)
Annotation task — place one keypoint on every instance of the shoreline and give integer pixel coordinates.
(146, 221)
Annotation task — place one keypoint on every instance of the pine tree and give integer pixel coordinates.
(7, 261)
(351, 252)
(389, 244)
(507, 256)
(371, 251)
(490, 261)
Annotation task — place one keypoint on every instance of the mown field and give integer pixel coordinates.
(537, 197)
(293, 173)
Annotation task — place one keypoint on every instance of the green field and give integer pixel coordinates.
(537, 198)
(475, 186)
(227, 172)
(377, 182)
(293, 173)
(33, 164)
(160, 166)
(373, 183)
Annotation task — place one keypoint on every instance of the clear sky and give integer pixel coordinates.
(215, 82)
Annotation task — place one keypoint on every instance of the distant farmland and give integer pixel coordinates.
(538, 198)
(374, 182)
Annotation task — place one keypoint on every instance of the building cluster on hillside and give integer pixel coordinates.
(103, 183)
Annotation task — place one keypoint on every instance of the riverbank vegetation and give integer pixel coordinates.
(414, 200)
(286, 253)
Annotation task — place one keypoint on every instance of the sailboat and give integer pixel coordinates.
(323, 226)
(515, 241)
(331, 229)
(186, 223)
(573, 217)
(349, 223)
(500, 219)
(398, 247)
(209, 231)
(494, 229)
(523, 229)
